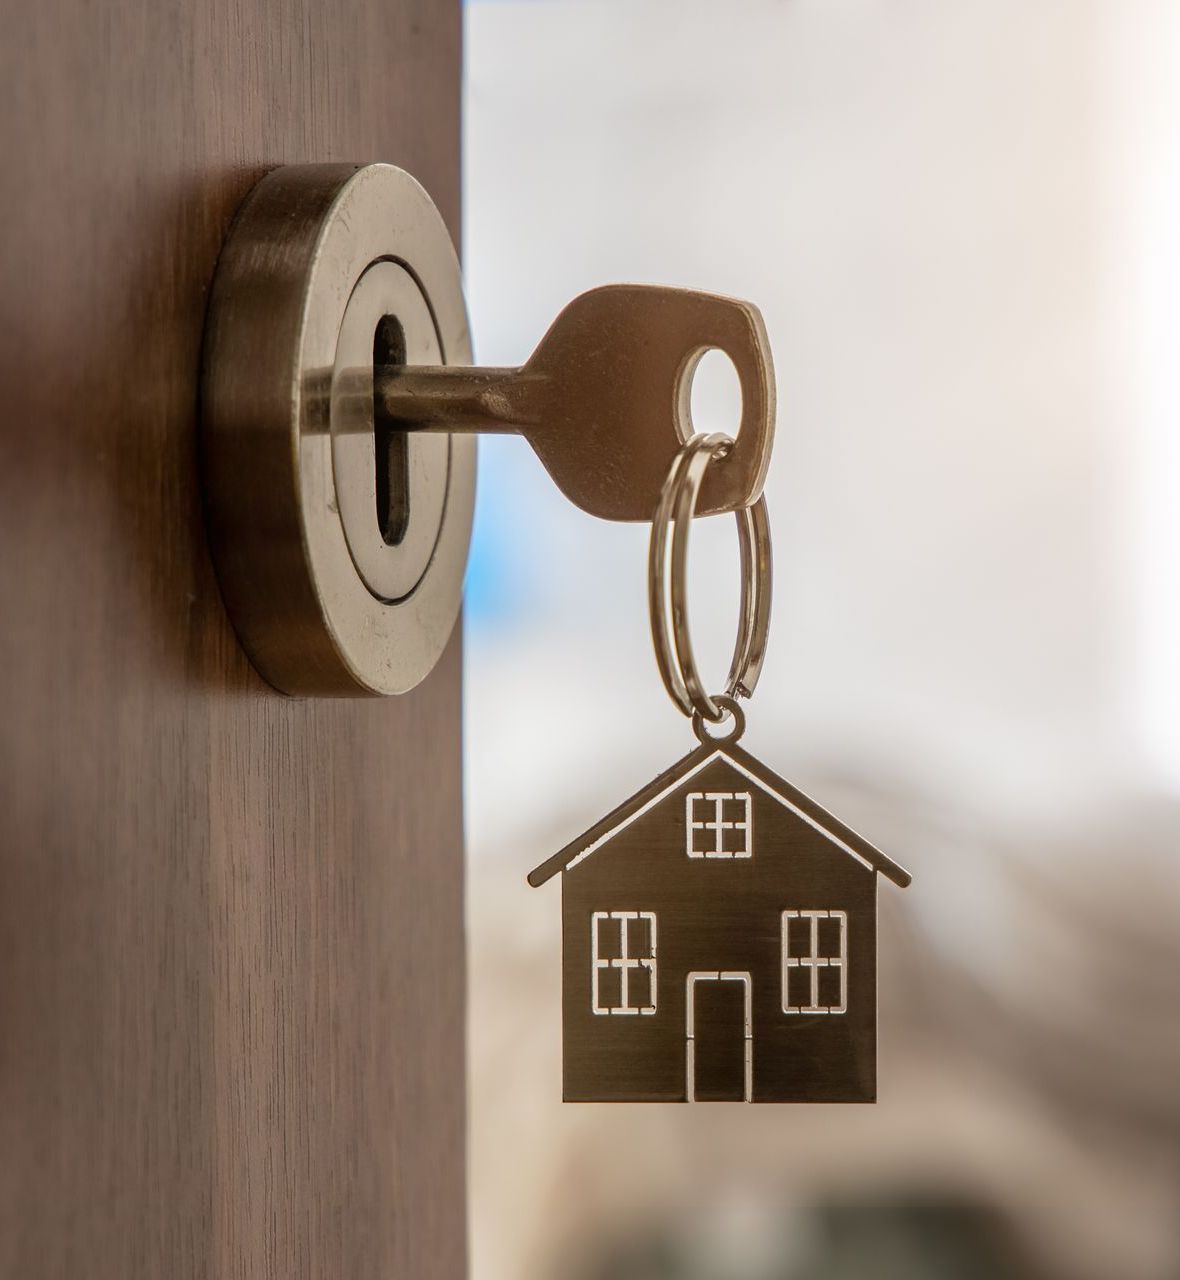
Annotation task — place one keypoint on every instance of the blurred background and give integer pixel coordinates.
(962, 224)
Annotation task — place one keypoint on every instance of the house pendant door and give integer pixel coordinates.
(719, 1043)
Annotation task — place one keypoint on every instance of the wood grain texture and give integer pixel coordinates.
(231, 949)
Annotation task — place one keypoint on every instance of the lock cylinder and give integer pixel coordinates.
(340, 543)
(390, 486)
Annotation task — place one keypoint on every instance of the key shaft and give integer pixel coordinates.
(456, 398)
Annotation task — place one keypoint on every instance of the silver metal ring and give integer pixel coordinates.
(729, 706)
(668, 594)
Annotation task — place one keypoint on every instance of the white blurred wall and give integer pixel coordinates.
(957, 221)
(962, 224)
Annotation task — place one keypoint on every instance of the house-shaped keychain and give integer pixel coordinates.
(720, 943)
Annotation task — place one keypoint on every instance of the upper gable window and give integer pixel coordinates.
(815, 961)
(623, 962)
(719, 824)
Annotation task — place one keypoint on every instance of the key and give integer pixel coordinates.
(604, 399)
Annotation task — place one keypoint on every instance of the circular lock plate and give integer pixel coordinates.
(322, 603)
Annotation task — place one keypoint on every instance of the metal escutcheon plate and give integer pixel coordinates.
(317, 257)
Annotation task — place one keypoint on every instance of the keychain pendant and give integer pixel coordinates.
(719, 941)
(719, 927)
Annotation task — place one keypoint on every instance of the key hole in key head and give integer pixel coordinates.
(714, 394)
(390, 444)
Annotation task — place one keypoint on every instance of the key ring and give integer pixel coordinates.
(668, 605)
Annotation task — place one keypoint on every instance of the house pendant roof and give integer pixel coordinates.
(842, 837)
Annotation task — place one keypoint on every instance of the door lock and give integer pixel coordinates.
(339, 406)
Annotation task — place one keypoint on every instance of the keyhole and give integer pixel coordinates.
(391, 445)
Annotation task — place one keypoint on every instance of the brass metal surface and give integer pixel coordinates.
(322, 603)
(719, 941)
(391, 569)
(604, 399)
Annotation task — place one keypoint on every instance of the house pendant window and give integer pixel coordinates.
(719, 824)
(623, 962)
(815, 961)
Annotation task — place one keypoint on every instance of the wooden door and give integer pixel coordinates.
(231, 935)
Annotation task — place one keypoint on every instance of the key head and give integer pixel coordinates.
(608, 405)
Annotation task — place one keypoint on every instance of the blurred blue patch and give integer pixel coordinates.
(499, 581)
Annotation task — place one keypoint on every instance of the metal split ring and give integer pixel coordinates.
(667, 594)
